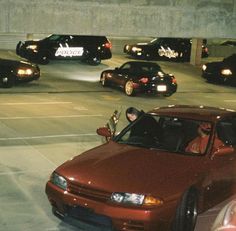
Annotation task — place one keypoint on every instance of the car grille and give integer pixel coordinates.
(87, 192)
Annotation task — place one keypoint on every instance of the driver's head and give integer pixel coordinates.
(132, 114)
(205, 128)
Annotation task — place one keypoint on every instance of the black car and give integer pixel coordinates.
(140, 76)
(221, 72)
(178, 49)
(13, 72)
(230, 43)
(91, 49)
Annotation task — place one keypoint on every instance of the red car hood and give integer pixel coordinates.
(122, 168)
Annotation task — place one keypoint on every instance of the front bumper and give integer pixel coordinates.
(26, 53)
(107, 214)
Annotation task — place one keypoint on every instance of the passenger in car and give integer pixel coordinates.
(199, 144)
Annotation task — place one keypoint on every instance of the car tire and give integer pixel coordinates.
(168, 94)
(103, 79)
(44, 59)
(129, 88)
(8, 82)
(94, 61)
(186, 214)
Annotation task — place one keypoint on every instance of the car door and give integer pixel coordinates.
(223, 163)
(63, 47)
(121, 74)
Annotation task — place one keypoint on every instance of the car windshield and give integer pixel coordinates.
(166, 133)
(53, 37)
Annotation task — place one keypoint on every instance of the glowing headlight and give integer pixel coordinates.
(204, 67)
(226, 72)
(58, 180)
(24, 72)
(32, 47)
(135, 199)
(136, 49)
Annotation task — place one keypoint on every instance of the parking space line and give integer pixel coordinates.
(49, 136)
(35, 103)
(47, 117)
(230, 100)
(20, 172)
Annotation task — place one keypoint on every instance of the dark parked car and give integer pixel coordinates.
(91, 49)
(221, 72)
(177, 49)
(146, 180)
(226, 219)
(140, 76)
(230, 43)
(13, 72)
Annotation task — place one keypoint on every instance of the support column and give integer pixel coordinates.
(29, 36)
(196, 51)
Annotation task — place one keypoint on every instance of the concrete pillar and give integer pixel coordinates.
(29, 36)
(196, 51)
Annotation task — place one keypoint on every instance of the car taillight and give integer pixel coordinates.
(144, 80)
(205, 49)
(108, 45)
(174, 79)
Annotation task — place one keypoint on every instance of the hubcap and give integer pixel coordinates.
(129, 88)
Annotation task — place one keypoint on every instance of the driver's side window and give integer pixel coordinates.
(126, 68)
(226, 131)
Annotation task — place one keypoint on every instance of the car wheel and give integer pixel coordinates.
(8, 81)
(186, 214)
(129, 88)
(103, 79)
(94, 61)
(168, 94)
(44, 59)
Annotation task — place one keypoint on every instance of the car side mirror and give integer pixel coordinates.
(223, 150)
(105, 132)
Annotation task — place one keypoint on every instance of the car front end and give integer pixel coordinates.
(28, 49)
(138, 50)
(26, 72)
(120, 211)
(114, 197)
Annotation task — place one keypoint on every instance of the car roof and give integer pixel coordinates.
(146, 63)
(206, 113)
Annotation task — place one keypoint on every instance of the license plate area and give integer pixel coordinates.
(161, 88)
(89, 216)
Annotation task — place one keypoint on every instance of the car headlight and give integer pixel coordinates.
(135, 199)
(59, 181)
(22, 72)
(226, 72)
(136, 49)
(32, 47)
(204, 67)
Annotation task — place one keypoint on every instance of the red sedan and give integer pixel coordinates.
(153, 175)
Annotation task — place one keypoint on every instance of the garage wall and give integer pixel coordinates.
(185, 18)
(124, 18)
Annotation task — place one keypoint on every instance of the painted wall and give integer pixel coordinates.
(174, 18)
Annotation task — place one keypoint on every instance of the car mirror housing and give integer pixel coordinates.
(223, 150)
(104, 131)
